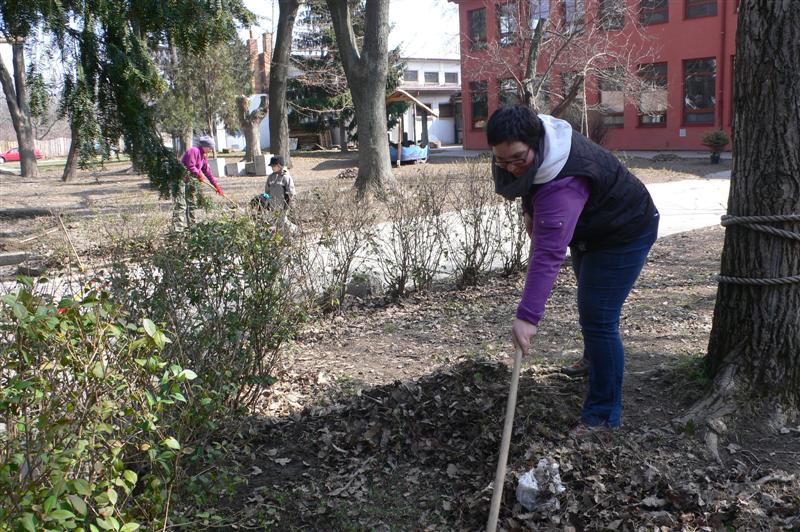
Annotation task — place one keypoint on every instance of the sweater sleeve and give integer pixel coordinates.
(556, 209)
(206, 169)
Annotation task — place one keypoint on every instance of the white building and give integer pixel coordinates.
(433, 82)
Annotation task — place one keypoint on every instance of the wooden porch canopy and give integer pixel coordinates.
(400, 95)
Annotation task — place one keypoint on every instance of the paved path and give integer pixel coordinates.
(690, 204)
(458, 151)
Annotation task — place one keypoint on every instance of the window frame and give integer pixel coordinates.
(453, 74)
(425, 77)
(476, 44)
(617, 87)
(446, 110)
(702, 110)
(688, 5)
(478, 88)
(539, 9)
(578, 17)
(650, 10)
(507, 38)
(606, 19)
(502, 91)
(416, 75)
(656, 77)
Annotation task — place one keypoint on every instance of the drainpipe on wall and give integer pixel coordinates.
(721, 90)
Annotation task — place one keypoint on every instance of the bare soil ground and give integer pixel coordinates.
(389, 416)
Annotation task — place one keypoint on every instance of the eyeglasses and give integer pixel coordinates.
(513, 162)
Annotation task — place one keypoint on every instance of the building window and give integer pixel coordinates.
(507, 23)
(612, 97)
(611, 14)
(654, 12)
(701, 8)
(699, 91)
(539, 9)
(653, 97)
(480, 103)
(509, 92)
(451, 77)
(445, 110)
(432, 77)
(477, 27)
(573, 12)
(411, 75)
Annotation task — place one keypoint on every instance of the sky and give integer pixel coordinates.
(423, 28)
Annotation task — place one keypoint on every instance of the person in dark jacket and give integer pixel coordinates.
(575, 195)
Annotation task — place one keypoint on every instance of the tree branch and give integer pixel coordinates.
(345, 37)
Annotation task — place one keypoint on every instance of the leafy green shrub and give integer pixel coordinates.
(715, 140)
(225, 293)
(410, 247)
(83, 395)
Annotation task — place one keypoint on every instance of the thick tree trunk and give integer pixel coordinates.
(250, 122)
(366, 73)
(18, 106)
(756, 329)
(71, 167)
(278, 77)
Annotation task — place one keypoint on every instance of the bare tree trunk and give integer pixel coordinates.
(250, 122)
(577, 83)
(71, 167)
(18, 106)
(366, 73)
(343, 134)
(186, 141)
(754, 350)
(529, 88)
(278, 77)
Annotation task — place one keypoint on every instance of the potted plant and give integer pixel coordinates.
(715, 141)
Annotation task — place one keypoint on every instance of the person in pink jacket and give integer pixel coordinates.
(196, 162)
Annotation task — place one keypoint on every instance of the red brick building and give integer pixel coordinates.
(688, 46)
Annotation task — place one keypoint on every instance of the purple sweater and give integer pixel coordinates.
(557, 205)
(196, 162)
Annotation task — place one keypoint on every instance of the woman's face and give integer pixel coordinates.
(514, 156)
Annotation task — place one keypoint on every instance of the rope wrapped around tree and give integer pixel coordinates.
(756, 224)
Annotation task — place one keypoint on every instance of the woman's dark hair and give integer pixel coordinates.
(514, 122)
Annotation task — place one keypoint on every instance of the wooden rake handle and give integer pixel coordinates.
(505, 443)
(236, 205)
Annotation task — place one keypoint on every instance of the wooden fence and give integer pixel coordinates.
(51, 148)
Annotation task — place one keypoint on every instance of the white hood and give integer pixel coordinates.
(557, 143)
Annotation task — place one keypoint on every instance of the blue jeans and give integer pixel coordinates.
(605, 278)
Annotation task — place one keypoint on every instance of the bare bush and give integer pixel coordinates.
(336, 231)
(515, 247)
(475, 230)
(408, 247)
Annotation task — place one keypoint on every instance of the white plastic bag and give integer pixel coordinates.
(537, 488)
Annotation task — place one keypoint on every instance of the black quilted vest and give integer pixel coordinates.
(619, 207)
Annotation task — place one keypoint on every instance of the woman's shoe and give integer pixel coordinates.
(578, 369)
